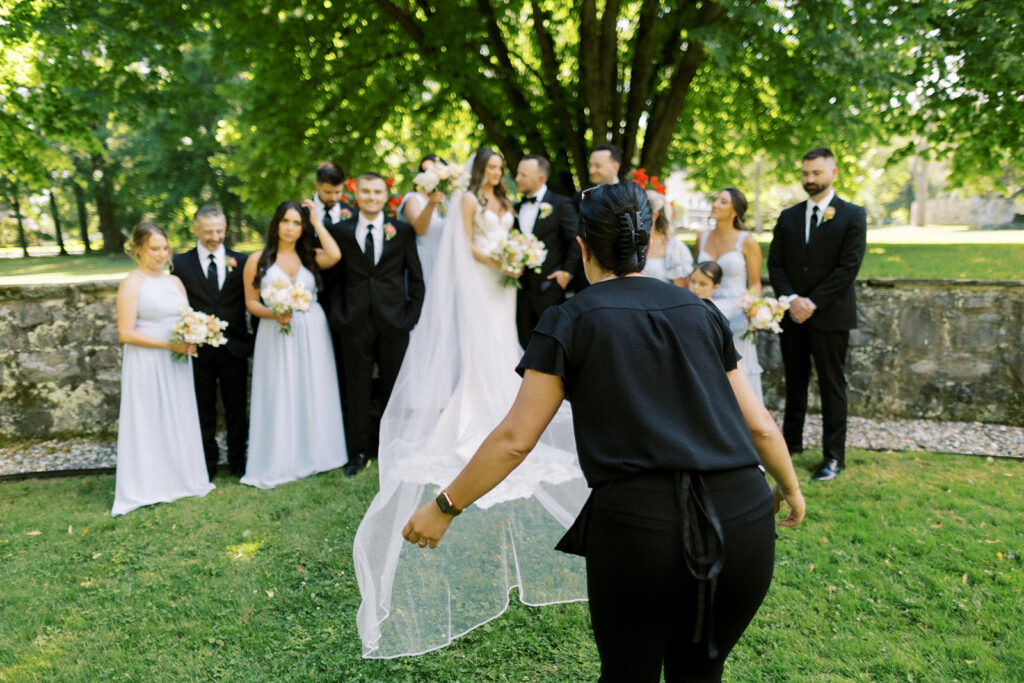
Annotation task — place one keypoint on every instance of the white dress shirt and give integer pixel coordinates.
(822, 205)
(528, 212)
(318, 206)
(377, 226)
(219, 257)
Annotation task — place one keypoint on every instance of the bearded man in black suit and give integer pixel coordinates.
(816, 252)
(212, 275)
(553, 220)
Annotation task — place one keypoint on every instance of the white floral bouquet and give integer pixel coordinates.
(196, 327)
(283, 297)
(516, 252)
(440, 176)
(763, 312)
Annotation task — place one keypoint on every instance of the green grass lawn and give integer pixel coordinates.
(936, 252)
(908, 567)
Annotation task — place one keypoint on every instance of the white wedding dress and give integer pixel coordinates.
(456, 384)
(727, 298)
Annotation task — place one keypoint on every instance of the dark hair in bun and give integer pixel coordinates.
(739, 205)
(615, 222)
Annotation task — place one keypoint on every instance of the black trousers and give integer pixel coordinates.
(646, 606)
(230, 374)
(531, 305)
(800, 344)
(360, 351)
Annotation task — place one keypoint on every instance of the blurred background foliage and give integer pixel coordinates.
(117, 111)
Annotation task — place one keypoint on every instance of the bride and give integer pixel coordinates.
(456, 383)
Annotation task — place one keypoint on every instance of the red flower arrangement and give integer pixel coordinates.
(647, 182)
(350, 195)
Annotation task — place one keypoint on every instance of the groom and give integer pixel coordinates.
(552, 219)
(376, 297)
(817, 248)
(212, 275)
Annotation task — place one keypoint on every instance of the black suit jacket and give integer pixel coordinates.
(228, 304)
(558, 233)
(388, 294)
(824, 269)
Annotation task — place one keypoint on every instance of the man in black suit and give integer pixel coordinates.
(329, 204)
(212, 275)
(604, 168)
(376, 297)
(552, 219)
(816, 251)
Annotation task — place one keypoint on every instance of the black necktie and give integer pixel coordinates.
(530, 200)
(368, 244)
(211, 273)
(814, 221)
(328, 221)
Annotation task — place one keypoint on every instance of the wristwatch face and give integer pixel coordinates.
(444, 505)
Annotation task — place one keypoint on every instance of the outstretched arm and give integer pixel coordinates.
(771, 447)
(538, 400)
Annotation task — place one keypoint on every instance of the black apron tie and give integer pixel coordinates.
(703, 548)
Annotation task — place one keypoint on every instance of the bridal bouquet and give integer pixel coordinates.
(282, 297)
(196, 327)
(763, 312)
(516, 252)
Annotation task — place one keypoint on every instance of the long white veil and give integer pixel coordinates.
(456, 384)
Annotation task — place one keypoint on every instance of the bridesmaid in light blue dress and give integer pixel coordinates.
(424, 213)
(159, 446)
(295, 425)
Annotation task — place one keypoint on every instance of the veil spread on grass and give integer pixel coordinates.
(456, 384)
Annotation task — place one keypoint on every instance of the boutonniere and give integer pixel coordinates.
(389, 232)
(231, 263)
(544, 210)
(830, 213)
(345, 214)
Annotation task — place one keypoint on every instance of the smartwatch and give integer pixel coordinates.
(444, 502)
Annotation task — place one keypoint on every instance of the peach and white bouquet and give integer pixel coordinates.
(516, 252)
(763, 312)
(282, 297)
(196, 327)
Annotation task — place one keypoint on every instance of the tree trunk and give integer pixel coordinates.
(113, 240)
(921, 185)
(758, 218)
(83, 216)
(56, 222)
(22, 237)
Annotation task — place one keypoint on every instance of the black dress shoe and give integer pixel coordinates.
(355, 463)
(829, 470)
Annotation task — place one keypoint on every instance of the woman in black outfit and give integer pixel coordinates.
(678, 531)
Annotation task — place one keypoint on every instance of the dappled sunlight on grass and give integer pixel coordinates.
(244, 551)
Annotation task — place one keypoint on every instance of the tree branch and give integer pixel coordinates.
(609, 55)
(407, 21)
(640, 75)
(668, 105)
(590, 70)
(549, 66)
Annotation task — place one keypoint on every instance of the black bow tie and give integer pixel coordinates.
(530, 200)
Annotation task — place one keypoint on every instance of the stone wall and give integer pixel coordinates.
(936, 349)
(60, 361)
(946, 350)
(977, 212)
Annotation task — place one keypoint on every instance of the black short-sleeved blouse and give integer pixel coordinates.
(643, 363)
